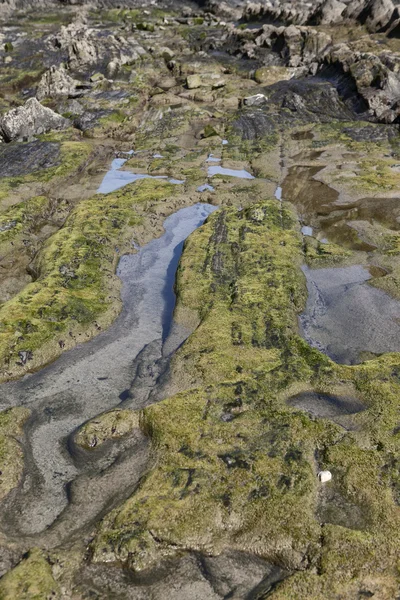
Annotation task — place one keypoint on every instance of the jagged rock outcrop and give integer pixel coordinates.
(376, 79)
(295, 46)
(329, 12)
(56, 82)
(24, 122)
(376, 15)
(87, 48)
(284, 13)
(368, 81)
(80, 44)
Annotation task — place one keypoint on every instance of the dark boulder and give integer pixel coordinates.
(22, 159)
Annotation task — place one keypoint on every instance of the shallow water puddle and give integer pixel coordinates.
(212, 158)
(218, 170)
(92, 378)
(115, 179)
(326, 405)
(306, 230)
(346, 224)
(205, 188)
(346, 317)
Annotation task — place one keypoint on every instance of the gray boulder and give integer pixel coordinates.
(56, 82)
(24, 122)
(376, 15)
(329, 12)
(297, 46)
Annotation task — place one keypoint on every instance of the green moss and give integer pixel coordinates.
(246, 480)
(108, 426)
(32, 579)
(209, 131)
(19, 216)
(249, 150)
(145, 26)
(75, 274)
(319, 254)
(310, 586)
(151, 135)
(377, 175)
(11, 455)
(234, 466)
(373, 171)
(72, 156)
(114, 117)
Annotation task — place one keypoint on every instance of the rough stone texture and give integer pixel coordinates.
(21, 124)
(256, 100)
(234, 575)
(21, 159)
(57, 82)
(295, 46)
(232, 464)
(329, 12)
(375, 14)
(86, 48)
(375, 79)
(369, 82)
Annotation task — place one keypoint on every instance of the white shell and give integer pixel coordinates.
(324, 476)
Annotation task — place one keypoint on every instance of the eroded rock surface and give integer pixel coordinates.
(167, 402)
(22, 124)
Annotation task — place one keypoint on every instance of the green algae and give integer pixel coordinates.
(219, 480)
(243, 149)
(373, 171)
(28, 213)
(75, 283)
(14, 79)
(31, 579)
(318, 254)
(376, 175)
(73, 155)
(233, 465)
(111, 425)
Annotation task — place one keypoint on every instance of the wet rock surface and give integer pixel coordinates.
(326, 405)
(235, 574)
(22, 159)
(174, 380)
(345, 316)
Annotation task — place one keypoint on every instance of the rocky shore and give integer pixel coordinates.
(199, 300)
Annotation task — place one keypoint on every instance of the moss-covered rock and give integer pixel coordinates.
(11, 453)
(108, 426)
(229, 465)
(75, 285)
(73, 154)
(32, 579)
(235, 466)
